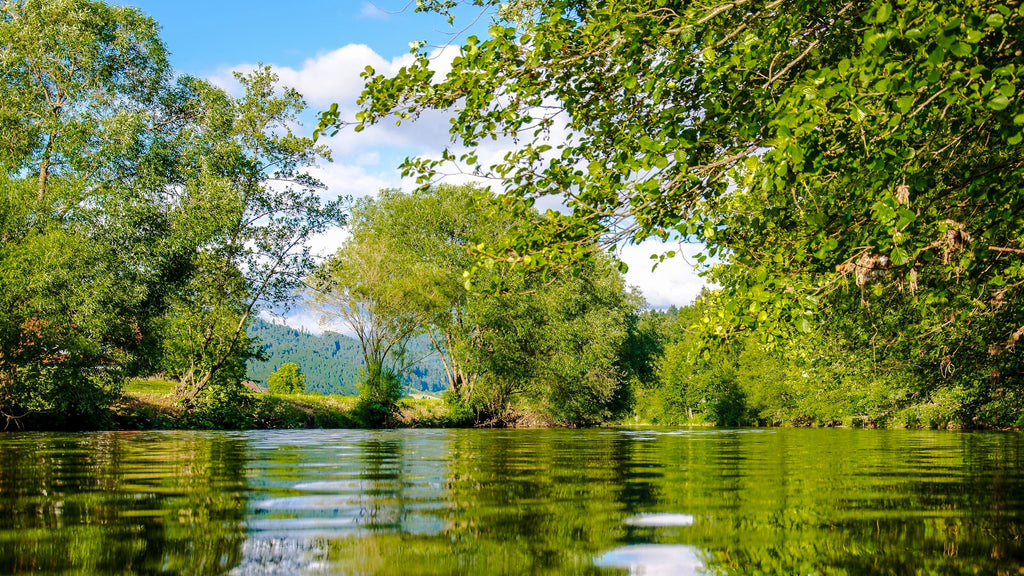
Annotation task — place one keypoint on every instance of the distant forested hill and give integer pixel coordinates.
(331, 361)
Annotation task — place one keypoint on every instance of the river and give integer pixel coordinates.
(600, 501)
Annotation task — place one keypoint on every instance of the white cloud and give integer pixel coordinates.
(355, 180)
(301, 318)
(674, 282)
(368, 158)
(326, 244)
(224, 78)
(335, 76)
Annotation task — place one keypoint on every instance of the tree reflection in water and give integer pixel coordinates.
(418, 502)
(121, 503)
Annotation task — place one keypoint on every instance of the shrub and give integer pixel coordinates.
(288, 379)
(378, 396)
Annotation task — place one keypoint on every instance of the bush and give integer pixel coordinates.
(288, 379)
(60, 397)
(379, 393)
(460, 412)
(223, 406)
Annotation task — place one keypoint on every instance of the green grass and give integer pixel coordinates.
(150, 386)
(148, 404)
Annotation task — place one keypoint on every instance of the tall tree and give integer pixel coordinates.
(78, 77)
(251, 208)
(550, 345)
(82, 233)
(429, 236)
(368, 291)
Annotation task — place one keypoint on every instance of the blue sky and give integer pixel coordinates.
(319, 47)
(205, 36)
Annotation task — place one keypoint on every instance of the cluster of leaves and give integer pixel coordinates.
(854, 166)
(143, 218)
(809, 379)
(546, 344)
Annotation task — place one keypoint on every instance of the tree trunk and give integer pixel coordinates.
(44, 169)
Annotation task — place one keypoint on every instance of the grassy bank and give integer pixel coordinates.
(150, 405)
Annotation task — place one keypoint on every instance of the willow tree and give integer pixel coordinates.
(247, 208)
(429, 237)
(368, 291)
(854, 165)
(520, 344)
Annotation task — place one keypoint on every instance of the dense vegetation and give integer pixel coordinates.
(544, 347)
(852, 170)
(144, 216)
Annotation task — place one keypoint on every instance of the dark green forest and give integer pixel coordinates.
(331, 361)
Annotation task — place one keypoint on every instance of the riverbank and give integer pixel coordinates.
(150, 405)
(149, 411)
(140, 411)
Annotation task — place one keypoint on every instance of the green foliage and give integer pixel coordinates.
(379, 392)
(428, 237)
(248, 209)
(223, 406)
(552, 347)
(853, 168)
(809, 379)
(153, 192)
(288, 379)
(529, 348)
(76, 207)
(460, 413)
(364, 288)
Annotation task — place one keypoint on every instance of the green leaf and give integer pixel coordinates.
(999, 102)
(883, 13)
(884, 211)
(899, 256)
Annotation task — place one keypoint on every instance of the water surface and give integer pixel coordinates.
(605, 501)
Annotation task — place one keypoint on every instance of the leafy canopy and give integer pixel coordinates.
(848, 158)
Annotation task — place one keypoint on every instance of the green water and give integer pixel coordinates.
(605, 501)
